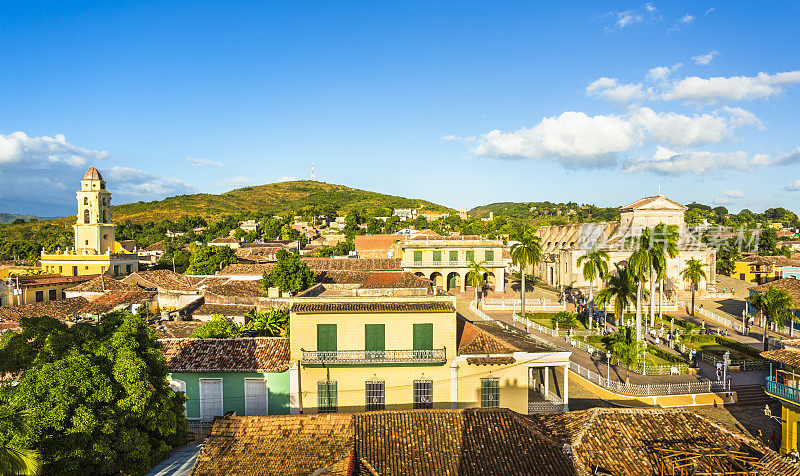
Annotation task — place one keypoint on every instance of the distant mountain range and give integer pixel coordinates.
(10, 217)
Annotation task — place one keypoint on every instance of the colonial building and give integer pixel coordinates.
(20, 290)
(763, 269)
(95, 250)
(563, 245)
(389, 344)
(445, 260)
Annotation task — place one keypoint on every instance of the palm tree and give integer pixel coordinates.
(775, 304)
(595, 265)
(619, 289)
(14, 460)
(693, 272)
(563, 320)
(475, 275)
(626, 348)
(526, 252)
(664, 245)
(640, 266)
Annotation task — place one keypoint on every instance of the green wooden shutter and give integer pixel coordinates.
(423, 336)
(470, 256)
(326, 337)
(454, 256)
(374, 336)
(437, 255)
(418, 256)
(489, 256)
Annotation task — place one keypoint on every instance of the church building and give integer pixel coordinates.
(95, 250)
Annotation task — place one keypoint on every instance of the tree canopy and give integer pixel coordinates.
(96, 395)
(209, 259)
(290, 274)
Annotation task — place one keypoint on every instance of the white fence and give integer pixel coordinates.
(742, 364)
(735, 325)
(530, 305)
(552, 404)
(473, 306)
(678, 388)
(552, 332)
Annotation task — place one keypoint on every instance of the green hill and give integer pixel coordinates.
(10, 217)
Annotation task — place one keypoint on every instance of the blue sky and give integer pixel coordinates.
(459, 103)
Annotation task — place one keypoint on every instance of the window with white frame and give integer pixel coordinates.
(423, 393)
(326, 397)
(376, 395)
(490, 392)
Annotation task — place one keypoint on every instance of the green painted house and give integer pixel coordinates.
(249, 376)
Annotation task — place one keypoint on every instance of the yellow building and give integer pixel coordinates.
(95, 250)
(783, 383)
(761, 269)
(445, 260)
(362, 348)
(18, 290)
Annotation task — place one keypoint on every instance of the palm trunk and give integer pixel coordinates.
(639, 311)
(652, 298)
(590, 306)
(522, 291)
(766, 325)
(692, 298)
(660, 299)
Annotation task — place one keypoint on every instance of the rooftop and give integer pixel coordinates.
(300, 307)
(92, 174)
(51, 279)
(173, 329)
(790, 285)
(492, 338)
(64, 309)
(111, 300)
(163, 279)
(253, 354)
(103, 283)
(223, 310)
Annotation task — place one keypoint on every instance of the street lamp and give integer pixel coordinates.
(608, 366)
(726, 360)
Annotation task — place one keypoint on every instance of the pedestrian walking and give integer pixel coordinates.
(772, 441)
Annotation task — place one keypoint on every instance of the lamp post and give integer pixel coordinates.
(726, 360)
(608, 366)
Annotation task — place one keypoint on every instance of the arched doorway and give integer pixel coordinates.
(420, 274)
(489, 279)
(437, 279)
(453, 281)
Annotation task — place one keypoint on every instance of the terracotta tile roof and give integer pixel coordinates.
(646, 200)
(157, 246)
(279, 445)
(172, 329)
(247, 269)
(63, 309)
(163, 279)
(375, 306)
(111, 300)
(354, 264)
(128, 245)
(92, 174)
(254, 354)
(258, 254)
(492, 338)
(224, 240)
(205, 281)
(785, 356)
(490, 360)
(102, 284)
(641, 441)
(237, 288)
(52, 280)
(375, 242)
(413, 442)
(403, 279)
(790, 285)
(773, 260)
(223, 310)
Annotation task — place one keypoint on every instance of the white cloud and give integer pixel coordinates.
(686, 19)
(739, 117)
(650, 7)
(19, 147)
(203, 162)
(610, 88)
(286, 179)
(706, 58)
(661, 73)
(728, 196)
(681, 130)
(235, 182)
(792, 157)
(718, 89)
(573, 138)
(134, 184)
(622, 19)
(709, 11)
(793, 187)
(628, 17)
(669, 162)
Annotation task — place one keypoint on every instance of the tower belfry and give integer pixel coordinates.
(94, 231)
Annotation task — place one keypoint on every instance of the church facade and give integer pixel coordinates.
(563, 245)
(95, 250)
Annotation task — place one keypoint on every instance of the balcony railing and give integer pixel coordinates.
(781, 390)
(349, 357)
(449, 264)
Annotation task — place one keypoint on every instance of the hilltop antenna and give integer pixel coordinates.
(312, 171)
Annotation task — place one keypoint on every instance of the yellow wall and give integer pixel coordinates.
(98, 233)
(28, 295)
(67, 264)
(791, 418)
(744, 267)
(427, 253)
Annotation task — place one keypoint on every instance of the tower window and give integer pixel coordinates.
(105, 237)
(85, 200)
(86, 216)
(104, 217)
(104, 201)
(102, 186)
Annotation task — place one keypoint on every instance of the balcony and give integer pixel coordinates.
(373, 357)
(449, 264)
(782, 391)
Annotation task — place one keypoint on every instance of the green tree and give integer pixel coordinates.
(219, 327)
(373, 226)
(96, 394)
(180, 256)
(290, 274)
(564, 320)
(626, 348)
(640, 266)
(269, 323)
(664, 244)
(526, 252)
(775, 304)
(15, 460)
(210, 259)
(693, 273)
(620, 289)
(595, 265)
(475, 272)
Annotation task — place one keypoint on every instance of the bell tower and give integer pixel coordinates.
(94, 231)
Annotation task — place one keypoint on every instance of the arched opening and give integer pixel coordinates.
(105, 219)
(453, 281)
(437, 279)
(86, 216)
(104, 201)
(420, 274)
(468, 280)
(85, 200)
(489, 280)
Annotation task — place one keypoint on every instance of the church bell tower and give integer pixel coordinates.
(94, 231)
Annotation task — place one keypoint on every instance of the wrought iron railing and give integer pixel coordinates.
(676, 388)
(339, 357)
(449, 264)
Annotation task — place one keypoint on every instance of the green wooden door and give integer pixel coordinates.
(326, 338)
(454, 256)
(423, 341)
(374, 340)
(489, 256)
(417, 256)
(470, 256)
